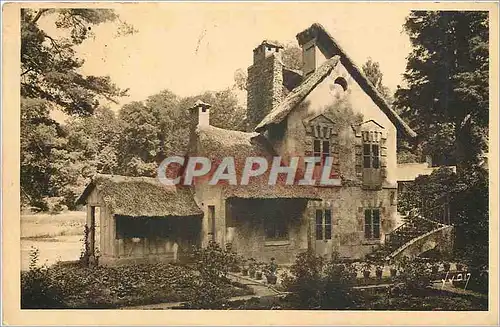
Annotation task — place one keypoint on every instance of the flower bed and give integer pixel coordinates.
(73, 286)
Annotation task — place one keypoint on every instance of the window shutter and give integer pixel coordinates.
(358, 152)
(361, 219)
(383, 154)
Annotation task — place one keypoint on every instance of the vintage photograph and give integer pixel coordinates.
(254, 156)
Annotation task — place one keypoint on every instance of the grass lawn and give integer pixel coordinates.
(46, 226)
(58, 237)
(113, 287)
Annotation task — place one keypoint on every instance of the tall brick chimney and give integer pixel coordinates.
(265, 82)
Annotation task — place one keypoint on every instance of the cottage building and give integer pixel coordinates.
(329, 109)
(139, 219)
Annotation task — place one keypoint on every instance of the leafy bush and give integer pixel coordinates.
(212, 264)
(414, 277)
(317, 283)
(38, 289)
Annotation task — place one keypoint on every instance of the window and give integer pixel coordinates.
(323, 224)
(342, 82)
(371, 155)
(133, 227)
(321, 149)
(276, 228)
(372, 223)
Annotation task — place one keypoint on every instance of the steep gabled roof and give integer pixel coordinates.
(330, 48)
(298, 94)
(142, 197)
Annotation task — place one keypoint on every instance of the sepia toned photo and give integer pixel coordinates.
(220, 157)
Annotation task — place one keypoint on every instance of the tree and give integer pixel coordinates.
(159, 127)
(446, 97)
(292, 56)
(372, 70)
(50, 79)
(49, 66)
(406, 152)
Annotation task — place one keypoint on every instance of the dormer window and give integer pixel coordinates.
(371, 155)
(321, 149)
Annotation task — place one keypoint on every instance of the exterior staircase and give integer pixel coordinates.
(414, 231)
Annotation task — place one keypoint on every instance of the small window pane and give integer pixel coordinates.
(366, 149)
(368, 231)
(376, 231)
(319, 217)
(375, 149)
(328, 232)
(376, 216)
(376, 162)
(317, 146)
(319, 224)
(366, 162)
(326, 147)
(368, 223)
(328, 217)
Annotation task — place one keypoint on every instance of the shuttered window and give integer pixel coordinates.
(323, 224)
(371, 155)
(372, 223)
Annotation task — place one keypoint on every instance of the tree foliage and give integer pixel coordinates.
(52, 165)
(467, 195)
(49, 65)
(446, 97)
(372, 71)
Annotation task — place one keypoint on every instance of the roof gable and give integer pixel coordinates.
(319, 119)
(330, 48)
(298, 94)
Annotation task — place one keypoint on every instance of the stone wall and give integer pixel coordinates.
(248, 234)
(348, 204)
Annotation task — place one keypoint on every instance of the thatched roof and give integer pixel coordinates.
(298, 94)
(142, 197)
(330, 48)
(217, 143)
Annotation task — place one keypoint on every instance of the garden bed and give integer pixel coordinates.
(427, 300)
(73, 286)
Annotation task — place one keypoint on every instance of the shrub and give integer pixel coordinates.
(38, 290)
(413, 278)
(318, 283)
(212, 264)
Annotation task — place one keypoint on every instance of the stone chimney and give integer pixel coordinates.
(200, 113)
(265, 82)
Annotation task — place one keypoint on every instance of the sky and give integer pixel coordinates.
(189, 48)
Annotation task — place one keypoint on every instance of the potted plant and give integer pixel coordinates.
(271, 269)
(435, 268)
(394, 271)
(366, 270)
(244, 268)
(378, 272)
(252, 267)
